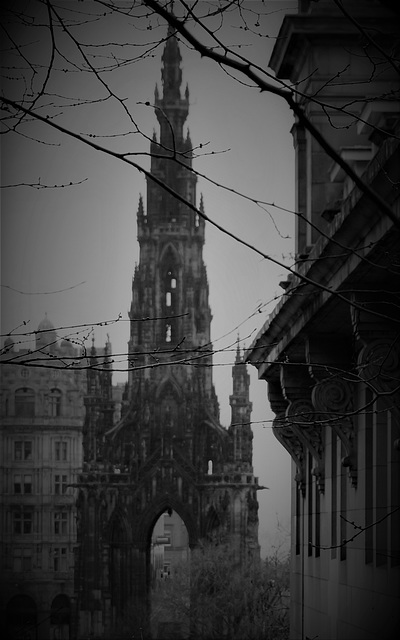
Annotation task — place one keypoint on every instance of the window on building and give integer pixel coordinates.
(22, 450)
(54, 406)
(22, 559)
(17, 484)
(60, 484)
(27, 483)
(24, 403)
(168, 333)
(23, 521)
(23, 483)
(60, 450)
(60, 559)
(60, 523)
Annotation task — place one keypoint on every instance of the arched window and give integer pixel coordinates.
(54, 404)
(60, 614)
(25, 403)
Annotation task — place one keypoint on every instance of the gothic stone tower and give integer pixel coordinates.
(169, 450)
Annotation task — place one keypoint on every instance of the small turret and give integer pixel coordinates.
(241, 413)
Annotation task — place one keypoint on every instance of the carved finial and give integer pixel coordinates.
(187, 92)
(201, 206)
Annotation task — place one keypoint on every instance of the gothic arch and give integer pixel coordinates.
(169, 255)
(151, 515)
(168, 382)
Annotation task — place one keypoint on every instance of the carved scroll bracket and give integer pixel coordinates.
(332, 399)
(378, 359)
(300, 414)
(378, 365)
(284, 433)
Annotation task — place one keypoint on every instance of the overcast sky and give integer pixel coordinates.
(70, 251)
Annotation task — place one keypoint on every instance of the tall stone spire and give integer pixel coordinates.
(168, 450)
(170, 285)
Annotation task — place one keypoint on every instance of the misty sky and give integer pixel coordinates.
(70, 251)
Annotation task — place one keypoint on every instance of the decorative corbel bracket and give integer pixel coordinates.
(300, 415)
(332, 399)
(285, 434)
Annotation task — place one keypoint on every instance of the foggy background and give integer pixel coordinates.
(70, 251)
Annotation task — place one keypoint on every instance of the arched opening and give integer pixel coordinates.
(60, 618)
(169, 572)
(21, 618)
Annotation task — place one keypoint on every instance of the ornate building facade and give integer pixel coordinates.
(42, 423)
(168, 451)
(330, 350)
(50, 414)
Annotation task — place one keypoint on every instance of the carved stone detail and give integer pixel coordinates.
(332, 399)
(301, 415)
(378, 364)
(331, 395)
